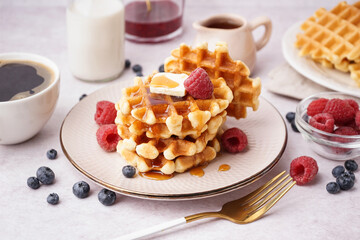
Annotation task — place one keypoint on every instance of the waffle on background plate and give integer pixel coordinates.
(173, 134)
(332, 38)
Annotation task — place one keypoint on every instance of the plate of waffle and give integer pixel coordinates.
(325, 48)
(166, 138)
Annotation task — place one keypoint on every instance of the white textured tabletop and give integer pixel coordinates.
(306, 212)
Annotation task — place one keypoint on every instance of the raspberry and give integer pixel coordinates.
(341, 110)
(105, 113)
(107, 137)
(357, 119)
(303, 169)
(317, 106)
(353, 104)
(343, 131)
(323, 122)
(199, 85)
(234, 140)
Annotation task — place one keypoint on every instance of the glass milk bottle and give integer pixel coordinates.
(95, 32)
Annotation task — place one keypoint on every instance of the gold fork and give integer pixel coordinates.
(244, 210)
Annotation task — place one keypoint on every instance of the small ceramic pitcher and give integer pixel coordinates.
(236, 32)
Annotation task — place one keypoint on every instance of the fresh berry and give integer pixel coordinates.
(81, 189)
(352, 175)
(303, 169)
(105, 113)
(106, 197)
(82, 97)
(127, 63)
(345, 131)
(342, 112)
(53, 198)
(128, 171)
(345, 181)
(45, 175)
(199, 85)
(234, 140)
(107, 137)
(323, 122)
(139, 74)
(316, 106)
(351, 165)
(137, 68)
(293, 126)
(162, 68)
(290, 116)
(51, 154)
(357, 119)
(337, 171)
(332, 187)
(33, 182)
(353, 104)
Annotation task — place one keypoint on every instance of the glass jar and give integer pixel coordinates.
(153, 20)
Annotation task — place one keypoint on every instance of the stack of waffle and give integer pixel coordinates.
(332, 38)
(173, 134)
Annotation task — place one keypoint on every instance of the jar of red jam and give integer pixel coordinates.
(153, 20)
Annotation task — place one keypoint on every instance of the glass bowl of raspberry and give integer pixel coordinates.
(330, 123)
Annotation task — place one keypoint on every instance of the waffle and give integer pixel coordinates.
(161, 116)
(170, 147)
(219, 64)
(179, 164)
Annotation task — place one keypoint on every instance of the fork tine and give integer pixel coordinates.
(260, 212)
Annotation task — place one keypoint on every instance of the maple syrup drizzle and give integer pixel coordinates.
(224, 167)
(156, 175)
(164, 82)
(199, 170)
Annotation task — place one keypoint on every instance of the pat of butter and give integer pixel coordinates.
(168, 83)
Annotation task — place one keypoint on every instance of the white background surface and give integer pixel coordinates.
(307, 212)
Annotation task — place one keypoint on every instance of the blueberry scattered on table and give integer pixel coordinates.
(352, 175)
(51, 154)
(106, 197)
(345, 181)
(128, 171)
(332, 187)
(33, 182)
(139, 74)
(137, 68)
(53, 198)
(45, 175)
(337, 171)
(293, 126)
(127, 63)
(290, 116)
(162, 68)
(82, 96)
(351, 165)
(81, 189)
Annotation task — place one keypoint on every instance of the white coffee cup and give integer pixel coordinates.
(22, 119)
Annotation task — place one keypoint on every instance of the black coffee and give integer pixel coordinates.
(20, 79)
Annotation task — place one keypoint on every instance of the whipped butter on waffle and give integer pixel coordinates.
(169, 83)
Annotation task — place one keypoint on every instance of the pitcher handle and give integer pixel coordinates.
(257, 22)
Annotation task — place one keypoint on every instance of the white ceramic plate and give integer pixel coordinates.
(265, 129)
(330, 78)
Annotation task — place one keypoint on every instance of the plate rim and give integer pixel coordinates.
(187, 196)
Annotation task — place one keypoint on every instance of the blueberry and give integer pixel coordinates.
(51, 154)
(81, 189)
(293, 126)
(162, 68)
(128, 171)
(337, 171)
(45, 175)
(351, 165)
(82, 96)
(332, 187)
(53, 198)
(290, 116)
(137, 68)
(352, 175)
(139, 74)
(127, 63)
(345, 181)
(106, 197)
(33, 182)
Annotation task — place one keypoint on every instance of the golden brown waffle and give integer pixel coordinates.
(161, 116)
(170, 147)
(219, 64)
(179, 164)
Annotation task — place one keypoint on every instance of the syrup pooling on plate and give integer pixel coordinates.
(224, 167)
(156, 175)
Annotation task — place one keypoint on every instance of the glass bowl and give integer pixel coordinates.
(328, 145)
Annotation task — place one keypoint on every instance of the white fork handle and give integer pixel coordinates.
(154, 229)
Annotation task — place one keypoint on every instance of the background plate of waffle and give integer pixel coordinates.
(267, 139)
(327, 77)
